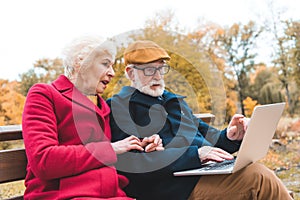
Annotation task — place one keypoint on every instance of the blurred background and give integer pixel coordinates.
(226, 57)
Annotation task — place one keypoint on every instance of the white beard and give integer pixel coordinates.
(146, 88)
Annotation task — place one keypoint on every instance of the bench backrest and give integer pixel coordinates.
(12, 161)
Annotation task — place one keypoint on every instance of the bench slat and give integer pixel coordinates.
(11, 132)
(16, 198)
(12, 165)
(206, 117)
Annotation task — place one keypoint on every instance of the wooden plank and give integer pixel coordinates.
(206, 117)
(12, 165)
(11, 132)
(16, 198)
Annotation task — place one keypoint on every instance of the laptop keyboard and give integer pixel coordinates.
(219, 165)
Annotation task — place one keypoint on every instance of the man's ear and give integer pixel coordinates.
(130, 73)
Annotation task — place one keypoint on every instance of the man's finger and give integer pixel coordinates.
(156, 139)
(150, 147)
(159, 148)
(223, 155)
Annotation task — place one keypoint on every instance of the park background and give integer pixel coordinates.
(222, 69)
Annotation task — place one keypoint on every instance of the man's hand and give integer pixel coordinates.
(127, 144)
(152, 143)
(208, 153)
(237, 127)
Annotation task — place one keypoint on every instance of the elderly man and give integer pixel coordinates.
(146, 108)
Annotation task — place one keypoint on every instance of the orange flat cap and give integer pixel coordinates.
(144, 51)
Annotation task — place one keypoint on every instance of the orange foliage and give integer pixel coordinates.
(249, 105)
(11, 103)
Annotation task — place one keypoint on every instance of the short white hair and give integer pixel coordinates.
(79, 48)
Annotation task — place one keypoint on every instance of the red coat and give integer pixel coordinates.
(67, 141)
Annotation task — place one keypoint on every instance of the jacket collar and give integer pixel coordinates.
(67, 89)
(137, 96)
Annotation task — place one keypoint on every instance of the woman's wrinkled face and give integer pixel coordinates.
(95, 72)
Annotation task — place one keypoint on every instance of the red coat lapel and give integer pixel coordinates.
(67, 89)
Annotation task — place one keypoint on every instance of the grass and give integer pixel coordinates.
(285, 161)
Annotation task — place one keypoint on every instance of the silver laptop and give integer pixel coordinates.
(255, 144)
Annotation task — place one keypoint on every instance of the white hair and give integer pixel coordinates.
(79, 48)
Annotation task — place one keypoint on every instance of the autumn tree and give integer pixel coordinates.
(249, 105)
(283, 42)
(189, 74)
(236, 45)
(269, 93)
(282, 62)
(205, 35)
(11, 103)
(43, 71)
(264, 86)
(193, 64)
(292, 32)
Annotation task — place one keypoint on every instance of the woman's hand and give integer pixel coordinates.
(152, 143)
(127, 144)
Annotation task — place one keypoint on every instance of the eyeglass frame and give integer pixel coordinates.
(166, 66)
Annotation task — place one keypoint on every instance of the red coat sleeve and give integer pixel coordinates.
(50, 154)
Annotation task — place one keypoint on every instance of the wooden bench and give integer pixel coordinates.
(13, 161)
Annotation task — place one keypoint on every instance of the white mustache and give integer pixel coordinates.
(156, 82)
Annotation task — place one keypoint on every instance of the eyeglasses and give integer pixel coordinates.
(150, 71)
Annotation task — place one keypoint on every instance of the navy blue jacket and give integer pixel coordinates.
(151, 174)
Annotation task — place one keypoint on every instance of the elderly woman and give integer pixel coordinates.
(67, 137)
